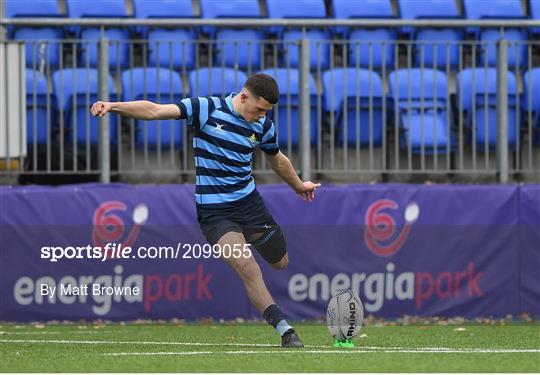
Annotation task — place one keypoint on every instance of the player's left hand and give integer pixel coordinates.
(307, 192)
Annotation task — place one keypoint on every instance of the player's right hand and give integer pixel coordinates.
(100, 109)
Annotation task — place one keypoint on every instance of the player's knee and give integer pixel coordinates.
(282, 264)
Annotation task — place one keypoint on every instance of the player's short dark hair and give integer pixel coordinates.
(263, 86)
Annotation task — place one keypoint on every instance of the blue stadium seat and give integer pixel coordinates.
(18, 8)
(294, 9)
(228, 9)
(118, 47)
(372, 48)
(363, 101)
(476, 9)
(159, 85)
(517, 49)
(176, 47)
(421, 98)
(76, 90)
(319, 48)
(238, 48)
(160, 9)
(531, 100)
(505, 9)
(215, 81)
(36, 108)
(286, 114)
(534, 7)
(361, 9)
(118, 37)
(477, 92)
(43, 46)
(447, 48)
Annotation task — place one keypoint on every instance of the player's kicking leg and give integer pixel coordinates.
(251, 275)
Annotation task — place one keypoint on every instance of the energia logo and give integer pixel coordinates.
(109, 227)
(380, 227)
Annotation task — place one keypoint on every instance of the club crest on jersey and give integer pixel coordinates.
(253, 139)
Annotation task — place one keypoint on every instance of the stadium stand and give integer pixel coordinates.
(159, 85)
(215, 81)
(371, 48)
(160, 9)
(286, 114)
(37, 89)
(435, 47)
(477, 95)
(118, 52)
(354, 98)
(531, 100)
(505, 9)
(42, 45)
(75, 90)
(421, 96)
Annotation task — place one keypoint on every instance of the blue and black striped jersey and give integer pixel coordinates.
(223, 146)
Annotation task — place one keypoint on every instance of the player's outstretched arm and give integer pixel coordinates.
(138, 109)
(284, 169)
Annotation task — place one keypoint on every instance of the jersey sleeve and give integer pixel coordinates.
(195, 110)
(269, 142)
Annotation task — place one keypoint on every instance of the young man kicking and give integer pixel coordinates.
(229, 208)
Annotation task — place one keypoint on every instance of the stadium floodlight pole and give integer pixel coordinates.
(502, 109)
(3, 30)
(104, 131)
(305, 97)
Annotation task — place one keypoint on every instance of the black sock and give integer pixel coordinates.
(273, 315)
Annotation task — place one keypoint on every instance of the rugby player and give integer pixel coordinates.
(229, 209)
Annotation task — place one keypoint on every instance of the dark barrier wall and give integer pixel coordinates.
(406, 249)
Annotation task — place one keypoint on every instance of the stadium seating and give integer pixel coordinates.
(372, 48)
(446, 49)
(159, 85)
(118, 37)
(421, 98)
(531, 100)
(354, 98)
(319, 48)
(288, 120)
(534, 6)
(215, 81)
(36, 108)
(477, 96)
(294, 9)
(319, 38)
(344, 9)
(228, 9)
(506, 9)
(373, 44)
(238, 48)
(160, 9)
(75, 90)
(172, 48)
(43, 47)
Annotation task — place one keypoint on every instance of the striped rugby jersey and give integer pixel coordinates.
(223, 146)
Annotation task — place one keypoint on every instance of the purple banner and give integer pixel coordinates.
(406, 249)
(530, 249)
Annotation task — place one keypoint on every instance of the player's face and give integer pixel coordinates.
(254, 108)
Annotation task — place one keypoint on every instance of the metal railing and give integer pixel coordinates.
(371, 129)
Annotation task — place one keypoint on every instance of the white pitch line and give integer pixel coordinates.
(366, 349)
(48, 333)
(299, 351)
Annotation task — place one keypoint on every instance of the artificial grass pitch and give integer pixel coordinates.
(255, 348)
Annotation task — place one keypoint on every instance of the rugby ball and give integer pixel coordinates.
(345, 315)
